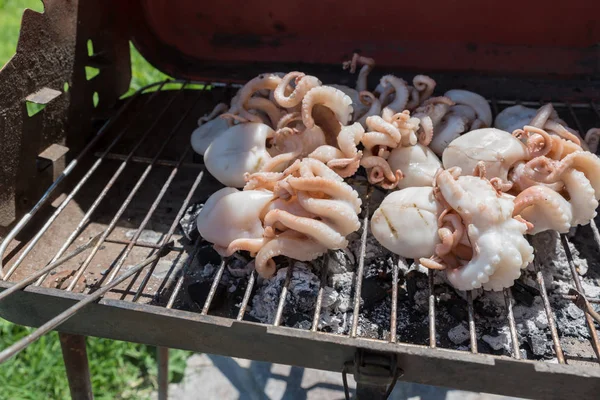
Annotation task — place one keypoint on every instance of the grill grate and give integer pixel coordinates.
(152, 151)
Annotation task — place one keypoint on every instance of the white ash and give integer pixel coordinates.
(459, 334)
(412, 321)
(146, 236)
(302, 294)
(501, 341)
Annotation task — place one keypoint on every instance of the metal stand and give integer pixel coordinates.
(163, 372)
(76, 364)
(375, 374)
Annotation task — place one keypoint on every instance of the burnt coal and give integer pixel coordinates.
(412, 319)
(198, 292)
(187, 223)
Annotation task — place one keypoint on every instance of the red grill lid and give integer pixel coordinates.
(238, 39)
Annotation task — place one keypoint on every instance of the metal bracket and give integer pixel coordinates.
(375, 374)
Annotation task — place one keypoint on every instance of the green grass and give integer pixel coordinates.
(119, 370)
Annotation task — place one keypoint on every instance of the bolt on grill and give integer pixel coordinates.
(153, 184)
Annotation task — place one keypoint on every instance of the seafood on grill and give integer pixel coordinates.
(392, 153)
(500, 151)
(290, 141)
(574, 193)
(529, 159)
(238, 150)
(406, 222)
(482, 219)
(209, 127)
(300, 213)
(462, 225)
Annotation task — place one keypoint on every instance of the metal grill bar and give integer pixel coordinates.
(575, 275)
(472, 331)
(171, 230)
(147, 160)
(508, 300)
(573, 298)
(247, 295)
(360, 270)
(67, 171)
(549, 314)
(185, 268)
(179, 274)
(283, 295)
(213, 288)
(68, 313)
(22, 284)
(137, 243)
(163, 190)
(539, 103)
(431, 310)
(72, 194)
(319, 303)
(394, 307)
(125, 204)
(86, 218)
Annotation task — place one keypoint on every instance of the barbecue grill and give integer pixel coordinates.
(108, 170)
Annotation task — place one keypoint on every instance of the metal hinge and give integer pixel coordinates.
(375, 374)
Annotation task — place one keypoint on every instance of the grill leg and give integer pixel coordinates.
(372, 392)
(76, 364)
(163, 372)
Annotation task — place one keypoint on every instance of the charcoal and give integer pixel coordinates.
(302, 294)
(372, 293)
(459, 334)
(524, 293)
(412, 321)
(500, 341)
(187, 223)
(198, 292)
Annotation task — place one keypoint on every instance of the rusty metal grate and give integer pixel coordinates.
(155, 125)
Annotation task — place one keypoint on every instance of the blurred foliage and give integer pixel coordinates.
(119, 370)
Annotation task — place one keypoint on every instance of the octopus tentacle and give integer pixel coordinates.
(287, 244)
(288, 119)
(369, 99)
(262, 180)
(592, 138)
(304, 83)
(583, 161)
(561, 131)
(372, 139)
(533, 146)
(367, 66)
(544, 209)
(413, 98)
(475, 101)
(407, 126)
(425, 135)
(346, 167)
(266, 106)
(582, 195)
(219, 109)
(327, 236)
(425, 85)
(344, 218)
(380, 172)
(337, 190)
(250, 245)
(434, 262)
(543, 114)
(329, 97)
(401, 99)
(261, 82)
(349, 137)
(378, 124)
